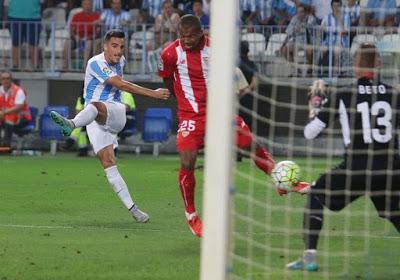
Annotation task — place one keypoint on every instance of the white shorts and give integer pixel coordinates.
(101, 136)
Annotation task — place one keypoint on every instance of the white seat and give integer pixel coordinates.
(256, 43)
(5, 40)
(138, 40)
(390, 43)
(361, 38)
(53, 15)
(60, 35)
(275, 43)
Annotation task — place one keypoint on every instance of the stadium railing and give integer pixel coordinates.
(144, 46)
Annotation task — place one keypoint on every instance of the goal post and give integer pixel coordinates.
(219, 141)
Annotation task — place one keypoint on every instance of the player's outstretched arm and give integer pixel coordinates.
(116, 81)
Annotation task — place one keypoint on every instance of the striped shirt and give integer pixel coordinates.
(98, 71)
(153, 7)
(248, 5)
(332, 34)
(265, 8)
(114, 21)
(353, 12)
(98, 6)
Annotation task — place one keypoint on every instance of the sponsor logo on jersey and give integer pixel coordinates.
(107, 71)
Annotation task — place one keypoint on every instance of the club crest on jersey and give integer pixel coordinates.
(182, 61)
(185, 133)
(161, 65)
(107, 71)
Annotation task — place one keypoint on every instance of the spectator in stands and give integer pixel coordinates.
(320, 9)
(380, 13)
(98, 6)
(183, 7)
(14, 111)
(166, 25)
(353, 10)
(197, 8)
(336, 37)
(248, 9)
(115, 18)
(152, 9)
(299, 35)
(85, 34)
(1, 10)
(25, 26)
(206, 7)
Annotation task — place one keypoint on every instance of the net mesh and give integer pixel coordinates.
(267, 229)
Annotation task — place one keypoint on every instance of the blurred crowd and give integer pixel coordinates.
(85, 21)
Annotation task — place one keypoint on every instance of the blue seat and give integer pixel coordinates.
(48, 129)
(31, 125)
(157, 124)
(130, 126)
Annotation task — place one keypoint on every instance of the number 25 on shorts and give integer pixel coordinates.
(187, 125)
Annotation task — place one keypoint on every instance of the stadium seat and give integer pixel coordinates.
(157, 126)
(27, 129)
(59, 35)
(153, 60)
(130, 128)
(274, 44)
(390, 43)
(256, 43)
(48, 129)
(54, 16)
(275, 64)
(361, 38)
(138, 42)
(5, 43)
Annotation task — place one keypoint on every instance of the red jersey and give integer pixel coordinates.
(82, 25)
(189, 70)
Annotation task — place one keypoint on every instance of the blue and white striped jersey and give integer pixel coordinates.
(98, 71)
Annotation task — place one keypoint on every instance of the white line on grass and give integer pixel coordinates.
(139, 229)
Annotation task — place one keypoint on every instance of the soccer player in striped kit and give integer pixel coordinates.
(104, 114)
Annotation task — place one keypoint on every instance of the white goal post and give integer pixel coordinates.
(219, 140)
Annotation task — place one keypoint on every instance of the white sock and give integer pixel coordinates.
(86, 116)
(119, 186)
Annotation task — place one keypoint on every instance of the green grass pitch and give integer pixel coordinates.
(59, 219)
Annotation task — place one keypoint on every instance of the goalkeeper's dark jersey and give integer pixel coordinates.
(369, 118)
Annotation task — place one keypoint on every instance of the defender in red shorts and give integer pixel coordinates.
(184, 68)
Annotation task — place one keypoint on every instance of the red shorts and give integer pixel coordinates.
(191, 133)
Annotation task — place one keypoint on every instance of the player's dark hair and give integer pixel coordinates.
(190, 21)
(197, 1)
(114, 33)
(367, 55)
(336, 1)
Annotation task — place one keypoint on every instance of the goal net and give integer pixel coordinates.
(265, 230)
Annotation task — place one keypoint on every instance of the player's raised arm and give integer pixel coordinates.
(123, 85)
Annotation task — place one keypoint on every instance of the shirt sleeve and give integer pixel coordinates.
(167, 64)
(101, 71)
(20, 97)
(329, 111)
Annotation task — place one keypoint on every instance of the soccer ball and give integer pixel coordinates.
(285, 175)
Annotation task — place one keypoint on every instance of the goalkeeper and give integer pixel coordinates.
(369, 117)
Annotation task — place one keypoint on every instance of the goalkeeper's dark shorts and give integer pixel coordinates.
(342, 185)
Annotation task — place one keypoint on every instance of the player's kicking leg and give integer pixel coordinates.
(187, 184)
(83, 118)
(262, 158)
